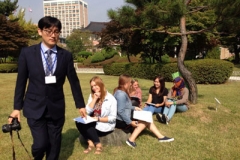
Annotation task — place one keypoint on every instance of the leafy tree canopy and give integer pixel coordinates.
(78, 41)
(12, 37)
(187, 19)
(28, 26)
(7, 7)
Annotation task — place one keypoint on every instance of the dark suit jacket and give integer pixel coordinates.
(39, 95)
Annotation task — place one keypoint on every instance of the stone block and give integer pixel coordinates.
(116, 138)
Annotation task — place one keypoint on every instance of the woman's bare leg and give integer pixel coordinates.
(141, 126)
(152, 127)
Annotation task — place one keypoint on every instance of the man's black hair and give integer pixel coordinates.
(48, 22)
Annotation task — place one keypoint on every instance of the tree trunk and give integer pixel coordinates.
(128, 56)
(236, 51)
(182, 69)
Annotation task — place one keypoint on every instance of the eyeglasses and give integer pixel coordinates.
(50, 32)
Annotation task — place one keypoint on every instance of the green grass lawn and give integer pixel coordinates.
(201, 133)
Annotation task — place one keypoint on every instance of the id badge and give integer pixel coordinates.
(50, 79)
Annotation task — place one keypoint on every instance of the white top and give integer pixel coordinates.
(109, 109)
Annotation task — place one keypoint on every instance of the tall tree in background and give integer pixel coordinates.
(79, 41)
(12, 35)
(7, 7)
(172, 17)
(115, 33)
(28, 26)
(133, 42)
(229, 28)
(12, 38)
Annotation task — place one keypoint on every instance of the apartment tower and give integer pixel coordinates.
(72, 13)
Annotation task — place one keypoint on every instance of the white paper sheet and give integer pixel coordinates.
(84, 120)
(143, 116)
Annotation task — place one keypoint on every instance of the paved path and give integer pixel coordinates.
(234, 78)
(90, 70)
(100, 70)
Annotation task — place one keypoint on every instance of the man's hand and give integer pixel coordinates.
(15, 114)
(82, 112)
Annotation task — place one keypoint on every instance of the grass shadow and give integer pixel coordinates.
(237, 65)
(147, 132)
(211, 108)
(68, 139)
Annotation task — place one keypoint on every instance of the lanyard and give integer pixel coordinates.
(50, 68)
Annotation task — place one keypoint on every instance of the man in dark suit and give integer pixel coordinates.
(43, 68)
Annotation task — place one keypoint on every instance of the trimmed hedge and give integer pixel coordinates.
(84, 54)
(204, 71)
(109, 54)
(8, 68)
(97, 57)
(139, 70)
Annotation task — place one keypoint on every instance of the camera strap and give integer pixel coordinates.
(14, 154)
(13, 151)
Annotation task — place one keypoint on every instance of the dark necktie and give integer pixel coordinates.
(49, 62)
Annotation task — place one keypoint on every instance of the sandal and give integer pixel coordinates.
(98, 150)
(89, 149)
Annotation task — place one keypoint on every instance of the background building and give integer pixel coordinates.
(72, 13)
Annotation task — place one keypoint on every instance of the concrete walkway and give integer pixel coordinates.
(234, 78)
(90, 70)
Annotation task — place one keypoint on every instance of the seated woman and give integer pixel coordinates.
(177, 101)
(103, 107)
(157, 96)
(124, 108)
(135, 93)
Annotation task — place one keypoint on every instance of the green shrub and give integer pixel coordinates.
(167, 71)
(80, 59)
(8, 67)
(204, 71)
(139, 70)
(87, 61)
(214, 53)
(109, 53)
(84, 54)
(165, 58)
(210, 71)
(97, 57)
(115, 69)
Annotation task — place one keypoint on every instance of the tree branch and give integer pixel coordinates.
(196, 9)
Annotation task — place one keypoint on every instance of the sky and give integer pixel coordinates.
(97, 9)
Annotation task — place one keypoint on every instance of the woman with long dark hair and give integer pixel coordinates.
(157, 96)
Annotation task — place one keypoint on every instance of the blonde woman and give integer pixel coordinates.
(103, 107)
(135, 93)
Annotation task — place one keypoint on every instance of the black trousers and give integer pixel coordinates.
(47, 136)
(122, 125)
(89, 132)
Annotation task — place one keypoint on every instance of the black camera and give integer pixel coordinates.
(15, 125)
